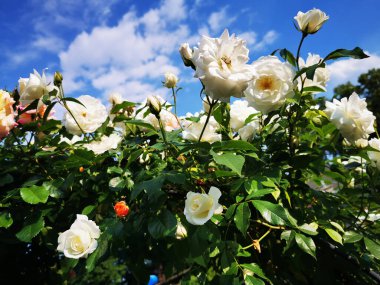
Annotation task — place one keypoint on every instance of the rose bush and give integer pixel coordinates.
(278, 187)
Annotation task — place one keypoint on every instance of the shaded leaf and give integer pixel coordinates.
(31, 228)
(306, 244)
(241, 218)
(372, 247)
(351, 237)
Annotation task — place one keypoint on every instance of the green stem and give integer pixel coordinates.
(175, 107)
(211, 104)
(304, 35)
(162, 129)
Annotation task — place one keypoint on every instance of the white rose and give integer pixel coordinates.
(106, 143)
(351, 117)
(311, 21)
(170, 80)
(239, 112)
(168, 119)
(115, 98)
(90, 117)
(221, 65)
(199, 208)
(374, 156)
(80, 240)
(7, 116)
(192, 130)
(321, 75)
(247, 132)
(271, 85)
(34, 87)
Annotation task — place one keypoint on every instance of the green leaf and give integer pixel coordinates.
(163, 225)
(251, 280)
(233, 145)
(255, 269)
(309, 229)
(152, 185)
(334, 235)
(288, 56)
(88, 210)
(306, 244)
(31, 228)
(274, 213)
(6, 179)
(288, 236)
(339, 53)
(5, 220)
(70, 99)
(313, 89)
(34, 194)
(241, 218)
(116, 184)
(337, 226)
(351, 237)
(372, 247)
(98, 253)
(233, 161)
(310, 71)
(140, 123)
(123, 105)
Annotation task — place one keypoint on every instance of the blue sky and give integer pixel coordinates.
(126, 46)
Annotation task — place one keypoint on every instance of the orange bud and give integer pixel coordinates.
(121, 209)
(81, 169)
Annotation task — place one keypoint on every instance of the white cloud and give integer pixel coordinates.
(220, 20)
(349, 69)
(130, 57)
(269, 38)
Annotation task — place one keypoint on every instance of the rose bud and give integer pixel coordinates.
(170, 80)
(311, 21)
(121, 209)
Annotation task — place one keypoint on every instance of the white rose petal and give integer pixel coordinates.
(271, 85)
(199, 208)
(351, 117)
(90, 117)
(221, 65)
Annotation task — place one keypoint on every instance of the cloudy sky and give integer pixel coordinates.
(123, 45)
